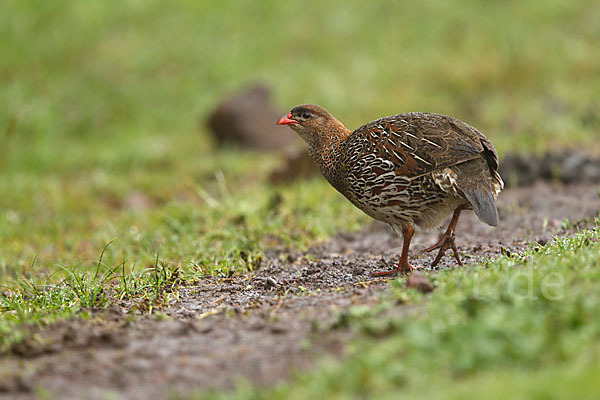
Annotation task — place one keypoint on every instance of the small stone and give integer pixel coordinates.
(420, 282)
(278, 329)
(271, 282)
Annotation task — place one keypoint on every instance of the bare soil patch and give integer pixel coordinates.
(264, 326)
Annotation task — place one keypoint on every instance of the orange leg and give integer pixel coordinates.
(403, 265)
(447, 241)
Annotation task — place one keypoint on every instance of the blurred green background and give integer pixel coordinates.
(102, 100)
(103, 142)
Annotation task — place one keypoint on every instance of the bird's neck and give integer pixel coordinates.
(325, 150)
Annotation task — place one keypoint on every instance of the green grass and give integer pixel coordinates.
(522, 327)
(105, 103)
(214, 234)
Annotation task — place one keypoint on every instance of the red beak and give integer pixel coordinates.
(287, 120)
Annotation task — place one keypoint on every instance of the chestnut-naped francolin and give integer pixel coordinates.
(407, 169)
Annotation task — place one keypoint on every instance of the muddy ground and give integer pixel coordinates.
(263, 327)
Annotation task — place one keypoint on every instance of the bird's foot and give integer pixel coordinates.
(446, 242)
(403, 268)
(439, 244)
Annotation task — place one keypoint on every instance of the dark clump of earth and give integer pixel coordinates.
(247, 119)
(256, 327)
(568, 166)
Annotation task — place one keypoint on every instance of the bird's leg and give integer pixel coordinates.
(447, 240)
(403, 265)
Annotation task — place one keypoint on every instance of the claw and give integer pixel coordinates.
(403, 265)
(439, 244)
(448, 243)
(403, 269)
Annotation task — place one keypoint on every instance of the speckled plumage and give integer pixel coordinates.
(407, 169)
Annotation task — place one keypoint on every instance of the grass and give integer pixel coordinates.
(111, 185)
(216, 234)
(521, 327)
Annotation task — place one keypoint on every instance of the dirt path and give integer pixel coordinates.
(259, 327)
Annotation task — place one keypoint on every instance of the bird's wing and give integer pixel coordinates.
(420, 143)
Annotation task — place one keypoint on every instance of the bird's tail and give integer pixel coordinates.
(480, 188)
(483, 204)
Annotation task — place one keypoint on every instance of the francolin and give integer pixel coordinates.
(405, 170)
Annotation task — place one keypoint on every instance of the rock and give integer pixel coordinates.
(570, 171)
(248, 118)
(567, 166)
(420, 282)
(551, 165)
(519, 170)
(591, 171)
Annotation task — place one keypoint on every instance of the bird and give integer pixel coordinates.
(407, 170)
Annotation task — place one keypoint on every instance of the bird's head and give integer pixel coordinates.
(312, 122)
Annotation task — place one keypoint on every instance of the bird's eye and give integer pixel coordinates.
(306, 115)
